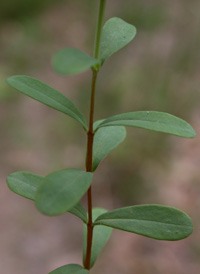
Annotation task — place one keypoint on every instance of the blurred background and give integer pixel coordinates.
(159, 70)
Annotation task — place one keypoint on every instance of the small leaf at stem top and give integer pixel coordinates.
(101, 235)
(70, 61)
(60, 191)
(153, 221)
(116, 34)
(152, 120)
(105, 140)
(47, 95)
(70, 269)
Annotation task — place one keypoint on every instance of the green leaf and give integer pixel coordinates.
(47, 95)
(105, 140)
(24, 183)
(70, 269)
(101, 235)
(152, 120)
(70, 61)
(153, 221)
(116, 34)
(80, 212)
(61, 191)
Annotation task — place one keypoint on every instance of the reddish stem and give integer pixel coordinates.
(90, 139)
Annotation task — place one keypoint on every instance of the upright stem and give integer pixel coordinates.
(90, 139)
(90, 136)
(99, 28)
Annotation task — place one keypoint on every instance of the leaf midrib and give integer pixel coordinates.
(81, 214)
(25, 183)
(148, 121)
(70, 110)
(76, 271)
(140, 220)
(61, 189)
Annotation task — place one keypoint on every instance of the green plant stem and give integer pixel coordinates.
(90, 135)
(99, 28)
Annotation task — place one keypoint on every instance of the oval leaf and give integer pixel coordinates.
(152, 120)
(70, 269)
(61, 191)
(101, 235)
(80, 212)
(24, 183)
(70, 61)
(105, 140)
(116, 34)
(47, 95)
(153, 221)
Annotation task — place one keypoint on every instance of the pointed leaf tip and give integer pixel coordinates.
(71, 61)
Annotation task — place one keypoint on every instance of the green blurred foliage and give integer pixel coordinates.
(20, 9)
(145, 15)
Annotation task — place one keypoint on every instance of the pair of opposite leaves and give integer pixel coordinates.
(116, 34)
(102, 233)
(154, 221)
